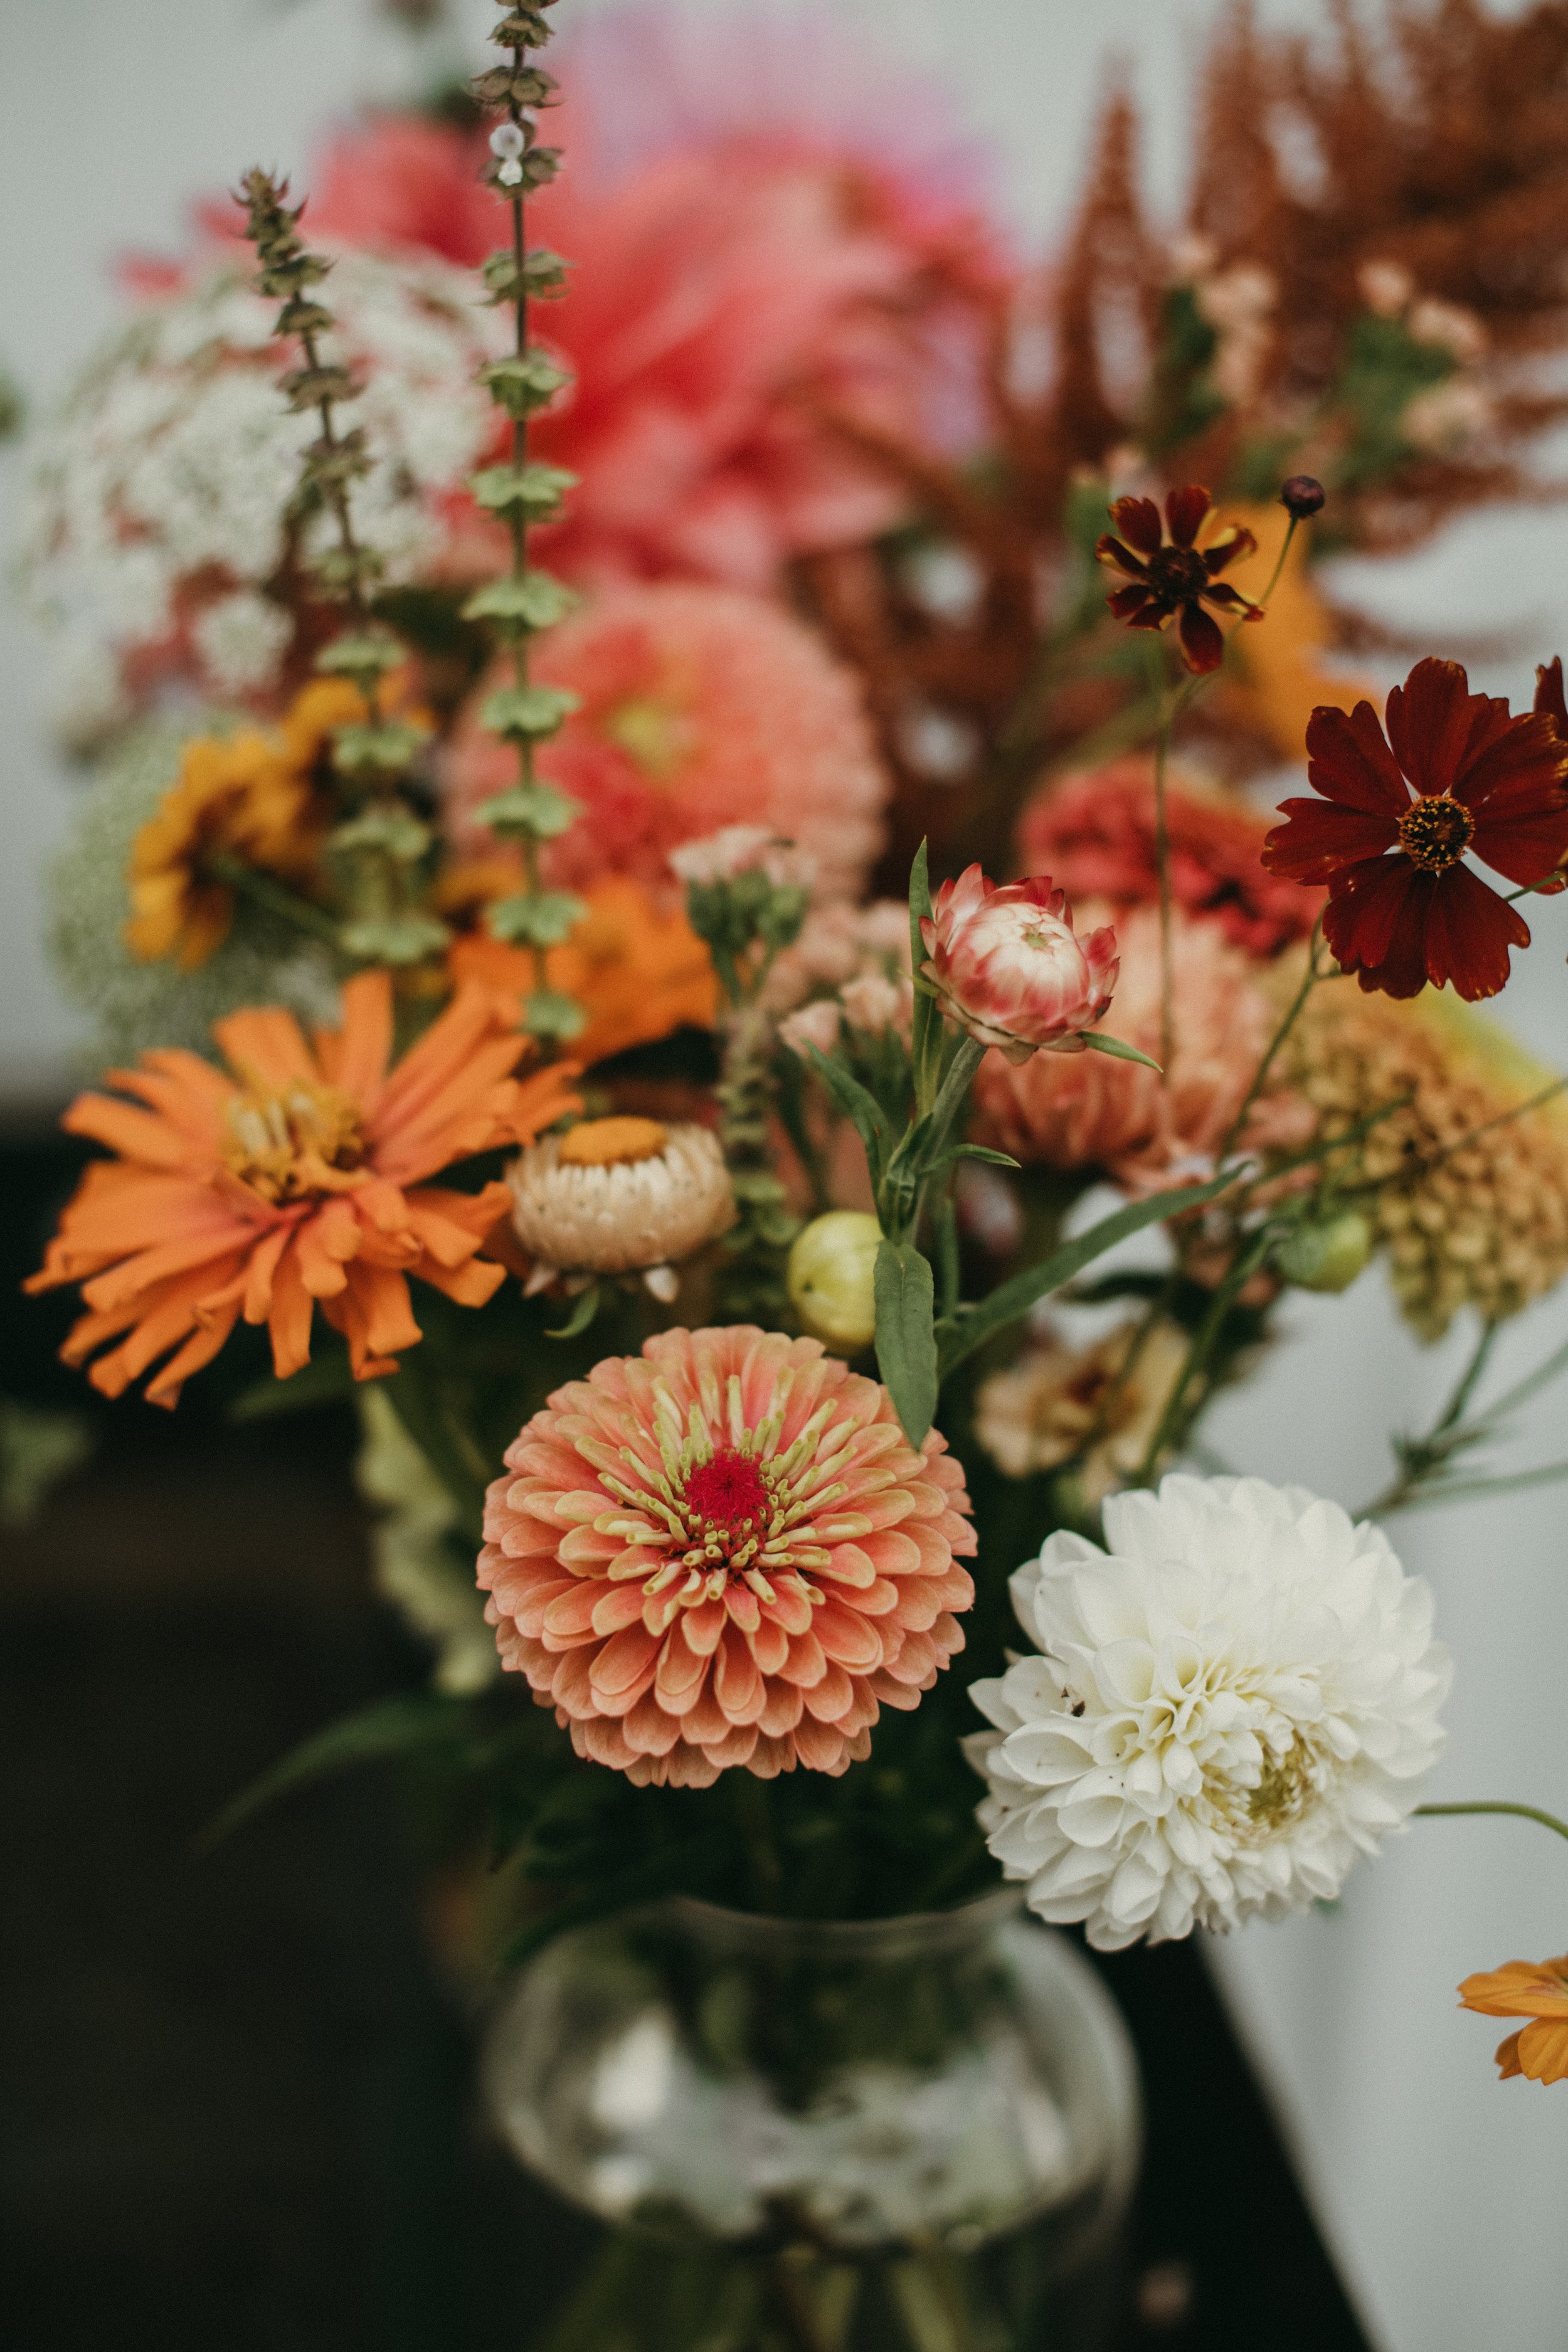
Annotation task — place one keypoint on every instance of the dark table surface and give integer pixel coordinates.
(237, 2111)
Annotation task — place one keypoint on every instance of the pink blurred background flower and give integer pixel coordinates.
(1010, 968)
(701, 708)
(1087, 1111)
(763, 225)
(827, 1576)
(1094, 831)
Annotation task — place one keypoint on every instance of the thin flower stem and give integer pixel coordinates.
(1275, 1044)
(1163, 868)
(522, 669)
(1171, 1422)
(275, 897)
(1525, 1812)
(1423, 1457)
(1279, 563)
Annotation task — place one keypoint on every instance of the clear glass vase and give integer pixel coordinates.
(919, 2131)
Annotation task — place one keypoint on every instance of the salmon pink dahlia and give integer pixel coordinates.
(1009, 968)
(698, 709)
(725, 1551)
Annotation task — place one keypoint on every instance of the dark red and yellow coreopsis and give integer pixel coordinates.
(1455, 775)
(1171, 576)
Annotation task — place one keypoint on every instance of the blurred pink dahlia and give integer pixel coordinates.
(1087, 1111)
(1094, 831)
(1010, 969)
(762, 221)
(725, 1552)
(700, 709)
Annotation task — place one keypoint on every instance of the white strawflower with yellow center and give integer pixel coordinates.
(1231, 1704)
(620, 1196)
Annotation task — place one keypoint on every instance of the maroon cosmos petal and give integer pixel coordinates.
(1455, 775)
(1172, 576)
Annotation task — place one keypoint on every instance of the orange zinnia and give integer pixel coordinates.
(1534, 1988)
(289, 1182)
(638, 970)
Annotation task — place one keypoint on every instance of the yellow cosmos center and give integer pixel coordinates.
(1436, 832)
(287, 1146)
(612, 1143)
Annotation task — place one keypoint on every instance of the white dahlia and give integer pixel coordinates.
(1232, 1703)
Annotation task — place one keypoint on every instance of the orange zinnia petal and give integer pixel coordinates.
(199, 1349)
(354, 1058)
(1542, 2050)
(288, 1320)
(267, 1045)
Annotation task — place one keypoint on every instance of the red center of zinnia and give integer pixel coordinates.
(728, 1494)
(1436, 833)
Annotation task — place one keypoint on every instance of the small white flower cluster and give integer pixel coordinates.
(1226, 1708)
(153, 524)
(1458, 410)
(862, 955)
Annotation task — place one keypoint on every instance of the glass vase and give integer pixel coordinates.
(918, 2132)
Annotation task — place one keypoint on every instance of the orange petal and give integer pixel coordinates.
(200, 1349)
(354, 1058)
(266, 1045)
(289, 1318)
(1542, 2050)
(382, 1297)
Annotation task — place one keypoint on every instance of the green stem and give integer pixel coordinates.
(1163, 868)
(276, 896)
(1484, 1805)
(1273, 1048)
(1203, 1344)
(1279, 563)
(1424, 1456)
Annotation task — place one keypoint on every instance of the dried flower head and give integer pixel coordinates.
(1471, 1186)
(1084, 1405)
(1009, 969)
(724, 1552)
(1169, 574)
(620, 1195)
(1230, 1704)
(1537, 1990)
(293, 1177)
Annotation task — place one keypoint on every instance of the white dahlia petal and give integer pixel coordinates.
(1227, 1707)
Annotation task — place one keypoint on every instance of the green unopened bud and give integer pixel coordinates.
(832, 1278)
(1326, 1256)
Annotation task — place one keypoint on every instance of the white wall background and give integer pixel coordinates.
(1441, 2190)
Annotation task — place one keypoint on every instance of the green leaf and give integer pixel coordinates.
(906, 1335)
(1011, 1299)
(405, 938)
(526, 713)
(538, 810)
(857, 1104)
(928, 1028)
(360, 654)
(520, 384)
(533, 490)
(537, 601)
(409, 1725)
(982, 1151)
(384, 750)
(551, 1014)
(583, 1313)
(1117, 1048)
(537, 919)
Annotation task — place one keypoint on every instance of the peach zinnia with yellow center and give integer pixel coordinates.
(295, 1181)
(725, 1552)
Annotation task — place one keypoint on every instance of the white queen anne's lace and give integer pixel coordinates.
(1232, 1703)
(155, 522)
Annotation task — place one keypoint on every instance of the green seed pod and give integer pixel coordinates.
(831, 1277)
(1326, 1256)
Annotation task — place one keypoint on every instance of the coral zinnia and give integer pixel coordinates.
(699, 709)
(1094, 831)
(1174, 575)
(1455, 775)
(1534, 1988)
(298, 1179)
(725, 1552)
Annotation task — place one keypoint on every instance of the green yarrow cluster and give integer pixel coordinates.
(520, 494)
(380, 856)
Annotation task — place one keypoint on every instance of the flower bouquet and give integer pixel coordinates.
(738, 1272)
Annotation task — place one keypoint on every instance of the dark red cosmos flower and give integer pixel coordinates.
(1455, 774)
(1166, 577)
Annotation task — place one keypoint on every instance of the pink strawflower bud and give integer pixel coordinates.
(1009, 968)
